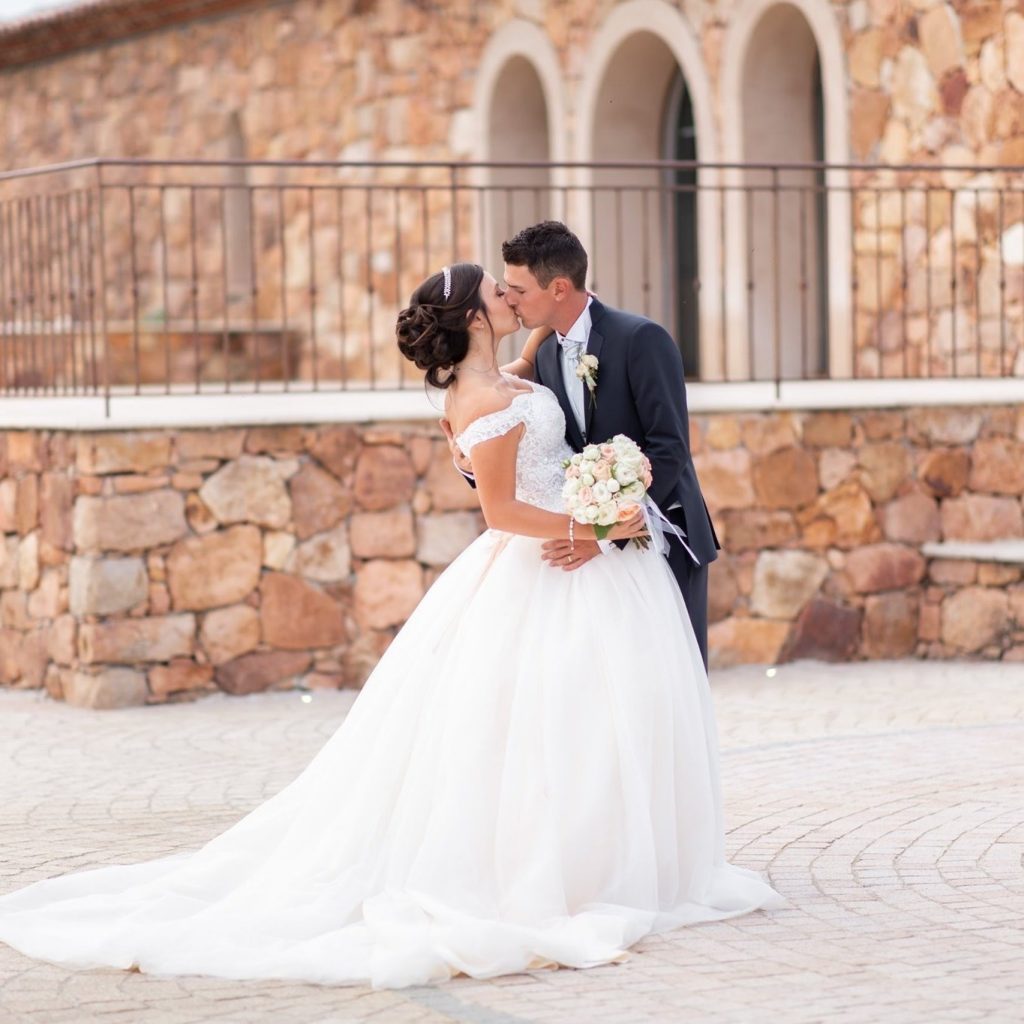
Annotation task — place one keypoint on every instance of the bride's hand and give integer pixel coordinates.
(632, 527)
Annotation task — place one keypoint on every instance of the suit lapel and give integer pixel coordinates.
(549, 366)
(594, 343)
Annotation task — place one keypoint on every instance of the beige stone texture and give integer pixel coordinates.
(725, 479)
(285, 440)
(28, 562)
(891, 625)
(180, 676)
(952, 571)
(206, 444)
(784, 581)
(974, 618)
(8, 505)
(939, 33)
(834, 466)
(325, 557)
(295, 615)
(133, 452)
(110, 688)
(948, 426)
(723, 432)
(945, 470)
(446, 486)
(250, 489)
(386, 592)
(129, 522)
(980, 517)
(785, 478)
(26, 508)
(742, 641)
(912, 518)
(252, 673)
(442, 538)
(218, 569)
(227, 633)
(1013, 26)
(884, 567)
(61, 640)
(337, 448)
(384, 477)
(278, 546)
(997, 465)
(55, 504)
(842, 517)
(885, 466)
(132, 640)
(765, 434)
(319, 501)
(101, 586)
(390, 534)
(754, 529)
(44, 601)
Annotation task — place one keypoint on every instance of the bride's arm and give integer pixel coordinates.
(523, 366)
(494, 464)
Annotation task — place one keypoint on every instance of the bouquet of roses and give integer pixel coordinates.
(605, 483)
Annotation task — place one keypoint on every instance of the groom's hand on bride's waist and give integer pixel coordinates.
(559, 553)
(461, 460)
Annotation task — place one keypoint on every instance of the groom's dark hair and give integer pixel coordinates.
(548, 250)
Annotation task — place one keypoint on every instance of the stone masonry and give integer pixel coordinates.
(154, 565)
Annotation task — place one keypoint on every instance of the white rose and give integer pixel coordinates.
(634, 490)
(601, 492)
(590, 513)
(607, 514)
(613, 485)
(571, 487)
(624, 474)
(588, 478)
(591, 453)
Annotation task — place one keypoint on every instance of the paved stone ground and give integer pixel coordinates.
(885, 800)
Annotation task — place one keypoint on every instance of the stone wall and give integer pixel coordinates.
(154, 565)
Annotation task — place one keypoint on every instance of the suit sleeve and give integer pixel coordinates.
(655, 370)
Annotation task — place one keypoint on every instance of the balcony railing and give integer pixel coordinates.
(121, 276)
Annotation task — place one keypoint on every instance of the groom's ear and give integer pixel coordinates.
(560, 288)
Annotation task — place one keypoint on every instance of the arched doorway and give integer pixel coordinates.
(785, 212)
(644, 223)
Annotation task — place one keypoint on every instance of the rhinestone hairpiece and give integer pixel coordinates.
(447, 271)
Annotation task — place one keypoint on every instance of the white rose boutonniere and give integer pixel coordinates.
(586, 370)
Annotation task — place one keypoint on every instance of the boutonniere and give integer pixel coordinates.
(586, 370)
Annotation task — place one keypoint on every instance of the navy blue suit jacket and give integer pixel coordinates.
(640, 393)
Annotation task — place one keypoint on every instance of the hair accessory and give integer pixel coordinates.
(447, 271)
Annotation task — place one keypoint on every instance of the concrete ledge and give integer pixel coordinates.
(212, 408)
(1009, 551)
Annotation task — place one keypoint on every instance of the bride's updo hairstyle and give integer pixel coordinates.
(433, 331)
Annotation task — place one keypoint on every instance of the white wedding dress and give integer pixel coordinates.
(529, 777)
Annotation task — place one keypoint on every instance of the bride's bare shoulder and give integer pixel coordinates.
(470, 405)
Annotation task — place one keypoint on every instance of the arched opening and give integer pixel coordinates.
(644, 223)
(785, 216)
(517, 132)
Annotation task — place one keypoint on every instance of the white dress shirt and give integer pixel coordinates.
(573, 344)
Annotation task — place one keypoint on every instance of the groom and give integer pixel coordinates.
(639, 392)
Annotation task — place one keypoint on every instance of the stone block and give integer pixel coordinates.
(319, 501)
(997, 466)
(325, 557)
(784, 581)
(884, 567)
(208, 444)
(981, 517)
(384, 477)
(842, 517)
(130, 640)
(250, 489)
(755, 528)
(218, 569)
(55, 504)
(442, 538)
(228, 633)
(891, 625)
(180, 676)
(824, 631)
(944, 471)
(787, 478)
(912, 518)
(390, 534)
(446, 487)
(26, 507)
(884, 466)
(102, 586)
(337, 449)
(253, 673)
(386, 592)
(295, 615)
(111, 688)
(134, 452)
(725, 479)
(738, 641)
(131, 522)
(975, 617)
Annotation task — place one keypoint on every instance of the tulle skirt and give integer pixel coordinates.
(529, 777)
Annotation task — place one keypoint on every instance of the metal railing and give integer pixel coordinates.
(164, 277)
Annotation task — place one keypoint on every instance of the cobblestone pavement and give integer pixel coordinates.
(885, 801)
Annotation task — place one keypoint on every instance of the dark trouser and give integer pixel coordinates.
(693, 584)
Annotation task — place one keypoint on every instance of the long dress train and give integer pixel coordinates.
(530, 776)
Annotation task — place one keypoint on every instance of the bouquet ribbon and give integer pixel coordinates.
(658, 525)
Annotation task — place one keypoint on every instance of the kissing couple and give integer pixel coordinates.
(530, 776)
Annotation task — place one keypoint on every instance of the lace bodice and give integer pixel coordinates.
(539, 473)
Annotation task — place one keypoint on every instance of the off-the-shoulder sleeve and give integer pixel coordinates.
(490, 426)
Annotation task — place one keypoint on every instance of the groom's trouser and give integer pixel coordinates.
(693, 584)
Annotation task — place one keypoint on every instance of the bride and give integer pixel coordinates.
(528, 778)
